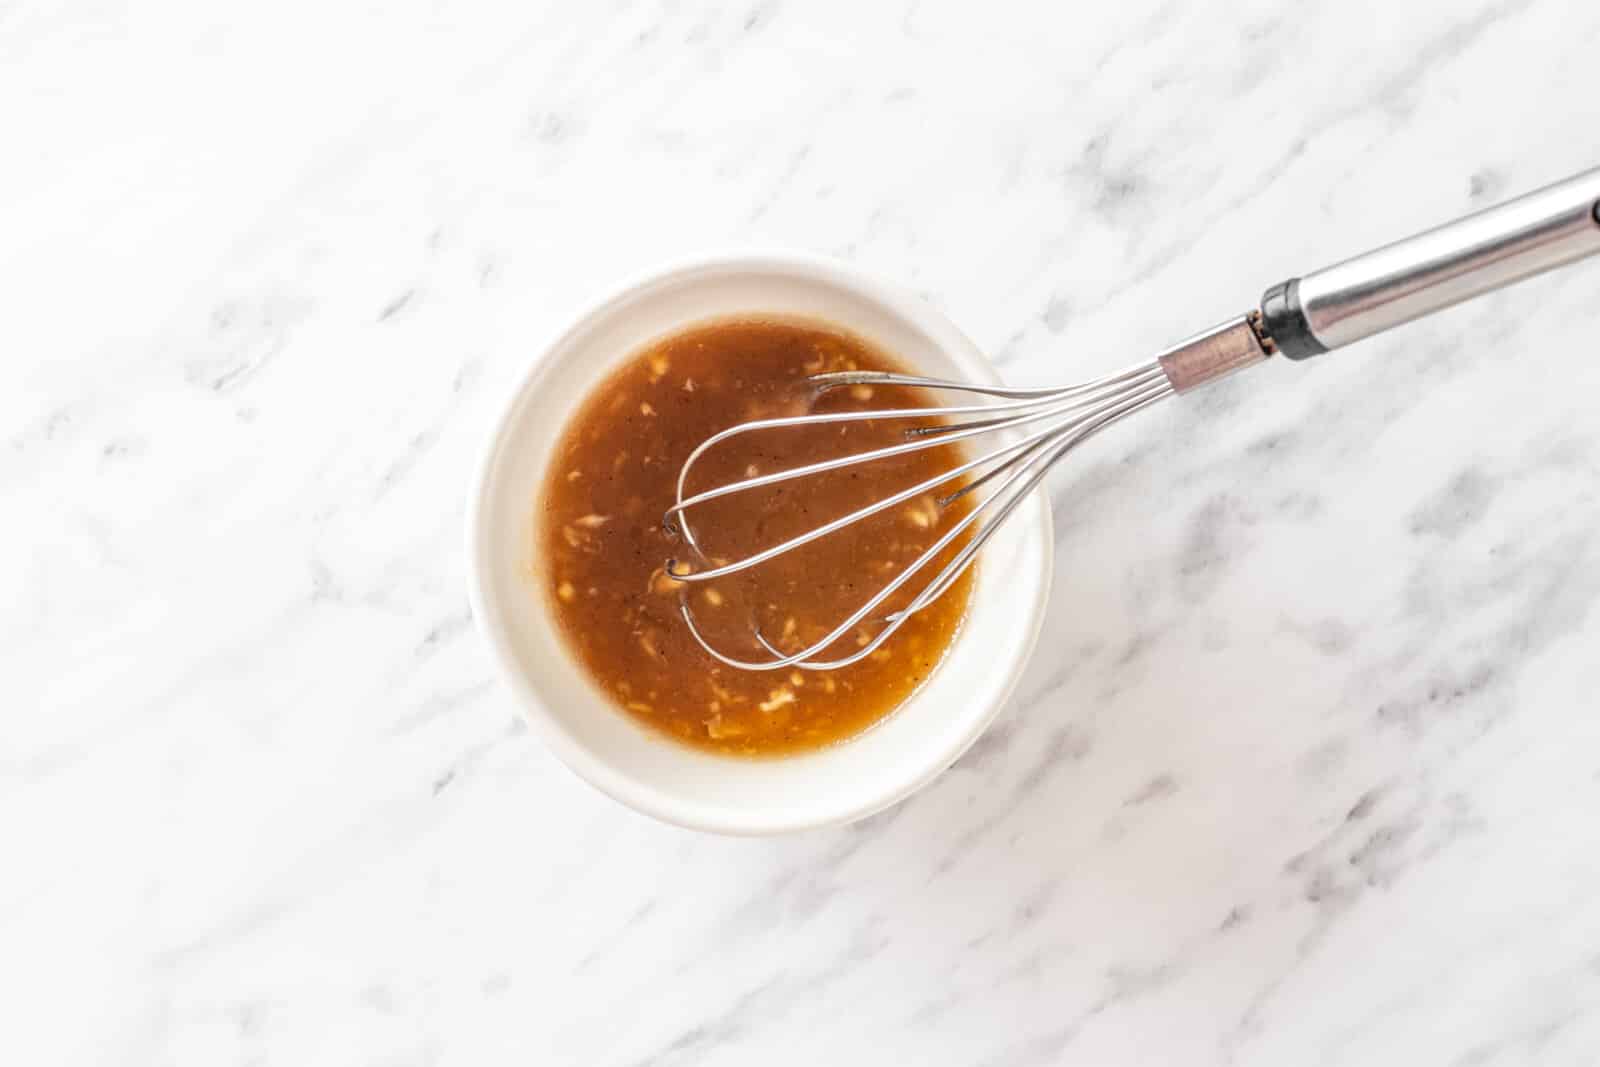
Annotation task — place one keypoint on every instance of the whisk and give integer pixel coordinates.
(1297, 319)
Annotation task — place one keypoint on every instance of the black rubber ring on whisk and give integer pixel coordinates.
(1283, 320)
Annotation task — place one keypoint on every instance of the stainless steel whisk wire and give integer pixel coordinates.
(1133, 389)
(1297, 319)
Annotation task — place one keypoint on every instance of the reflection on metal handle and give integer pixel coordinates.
(1438, 268)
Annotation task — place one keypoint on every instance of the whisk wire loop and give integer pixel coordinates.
(1010, 471)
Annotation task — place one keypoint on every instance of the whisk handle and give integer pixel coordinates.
(1399, 282)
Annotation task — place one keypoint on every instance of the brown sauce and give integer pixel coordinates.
(613, 475)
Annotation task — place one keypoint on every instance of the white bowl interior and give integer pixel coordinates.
(647, 770)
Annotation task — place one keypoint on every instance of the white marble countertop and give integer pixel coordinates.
(1307, 770)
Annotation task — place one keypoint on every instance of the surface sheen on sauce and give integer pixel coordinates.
(602, 545)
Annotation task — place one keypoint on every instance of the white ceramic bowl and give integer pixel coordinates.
(652, 773)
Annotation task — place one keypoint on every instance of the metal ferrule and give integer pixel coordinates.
(1216, 352)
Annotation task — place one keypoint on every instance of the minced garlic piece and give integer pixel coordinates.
(659, 582)
(924, 513)
(777, 699)
(718, 728)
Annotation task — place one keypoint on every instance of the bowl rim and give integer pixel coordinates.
(615, 783)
